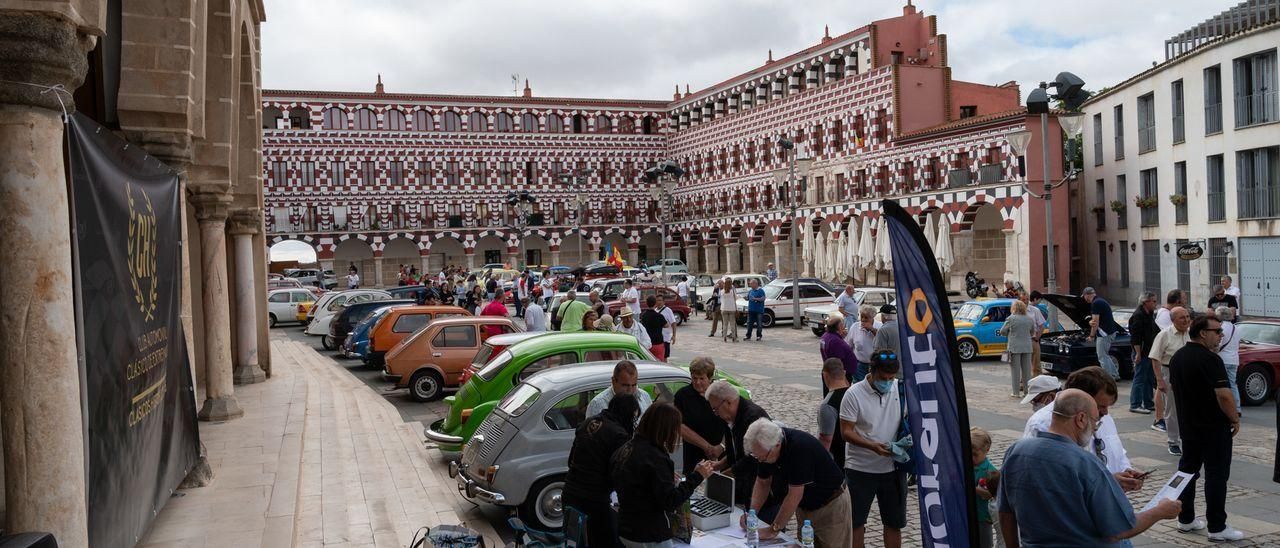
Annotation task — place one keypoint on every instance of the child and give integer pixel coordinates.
(986, 477)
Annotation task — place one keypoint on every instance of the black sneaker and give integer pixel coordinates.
(1175, 450)
(1159, 426)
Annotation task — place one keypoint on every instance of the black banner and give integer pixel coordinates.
(141, 414)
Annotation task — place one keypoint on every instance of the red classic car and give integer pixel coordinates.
(1259, 360)
(673, 301)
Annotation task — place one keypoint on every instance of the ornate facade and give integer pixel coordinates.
(368, 178)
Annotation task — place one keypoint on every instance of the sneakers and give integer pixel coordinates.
(1159, 426)
(1140, 410)
(1226, 535)
(1195, 525)
(1175, 450)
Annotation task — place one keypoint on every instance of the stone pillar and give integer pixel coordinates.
(219, 394)
(40, 407)
(555, 257)
(244, 225)
(425, 263)
(691, 255)
(471, 258)
(732, 257)
(377, 272)
(755, 253)
(712, 261)
(633, 255)
(782, 257)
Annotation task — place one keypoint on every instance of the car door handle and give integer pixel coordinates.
(436, 354)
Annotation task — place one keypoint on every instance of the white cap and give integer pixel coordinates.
(1039, 385)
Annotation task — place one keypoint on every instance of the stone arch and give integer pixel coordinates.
(982, 245)
(447, 248)
(650, 245)
(537, 249)
(398, 251)
(575, 247)
(490, 247)
(354, 251)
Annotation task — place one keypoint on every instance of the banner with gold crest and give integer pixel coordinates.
(140, 413)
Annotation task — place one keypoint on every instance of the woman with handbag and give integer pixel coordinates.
(1019, 328)
(644, 477)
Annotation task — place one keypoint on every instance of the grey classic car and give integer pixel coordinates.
(519, 455)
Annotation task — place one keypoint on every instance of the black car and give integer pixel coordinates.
(1066, 350)
(351, 316)
(404, 291)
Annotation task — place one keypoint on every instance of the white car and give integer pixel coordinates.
(705, 283)
(328, 307)
(778, 303)
(282, 304)
(673, 265)
(815, 317)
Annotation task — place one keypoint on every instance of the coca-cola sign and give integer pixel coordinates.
(1190, 251)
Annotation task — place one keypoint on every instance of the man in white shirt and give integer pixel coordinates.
(548, 288)
(1171, 301)
(1166, 343)
(534, 317)
(682, 289)
(1229, 348)
(668, 331)
(861, 338)
(870, 419)
(631, 297)
(625, 381)
(1106, 445)
(1230, 288)
(627, 324)
(848, 305)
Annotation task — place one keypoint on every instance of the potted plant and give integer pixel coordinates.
(1097, 209)
(1178, 199)
(1145, 203)
(1118, 206)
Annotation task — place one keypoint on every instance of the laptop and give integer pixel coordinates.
(714, 510)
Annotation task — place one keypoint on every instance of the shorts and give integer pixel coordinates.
(887, 488)
(659, 351)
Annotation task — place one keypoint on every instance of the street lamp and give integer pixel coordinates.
(574, 181)
(803, 165)
(663, 178)
(522, 204)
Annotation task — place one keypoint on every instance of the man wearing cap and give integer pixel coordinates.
(627, 324)
(887, 334)
(772, 273)
(1041, 390)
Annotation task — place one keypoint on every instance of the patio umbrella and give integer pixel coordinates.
(866, 246)
(842, 257)
(946, 257)
(850, 262)
(834, 247)
(819, 255)
(930, 232)
(883, 254)
(810, 243)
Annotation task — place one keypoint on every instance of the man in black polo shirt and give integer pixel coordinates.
(740, 413)
(1208, 420)
(811, 485)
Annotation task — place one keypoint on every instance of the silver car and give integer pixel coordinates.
(519, 455)
(815, 317)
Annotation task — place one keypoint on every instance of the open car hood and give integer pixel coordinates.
(1071, 305)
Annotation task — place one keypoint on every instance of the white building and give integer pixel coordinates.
(1189, 151)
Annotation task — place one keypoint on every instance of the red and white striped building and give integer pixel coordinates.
(382, 179)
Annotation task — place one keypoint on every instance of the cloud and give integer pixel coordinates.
(292, 250)
(642, 50)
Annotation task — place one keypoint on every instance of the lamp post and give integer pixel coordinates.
(522, 204)
(792, 188)
(574, 180)
(663, 178)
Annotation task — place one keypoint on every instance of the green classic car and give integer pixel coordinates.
(486, 387)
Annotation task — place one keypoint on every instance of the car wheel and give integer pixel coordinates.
(426, 385)
(681, 318)
(271, 320)
(326, 342)
(817, 332)
(968, 350)
(1254, 381)
(766, 319)
(543, 507)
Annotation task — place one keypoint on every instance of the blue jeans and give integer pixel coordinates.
(861, 373)
(1108, 363)
(1231, 380)
(1142, 392)
(849, 320)
(753, 319)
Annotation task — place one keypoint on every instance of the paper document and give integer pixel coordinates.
(1171, 490)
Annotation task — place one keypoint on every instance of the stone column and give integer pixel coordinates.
(426, 263)
(244, 226)
(471, 258)
(377, 273)
(755, 253)
(732, 259)
(691, 255)
(712, 261)
(782, 258)
(219, 394)
(40, 407)
(633, 255)
(555, 257)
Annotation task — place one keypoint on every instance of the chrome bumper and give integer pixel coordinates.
(468, 486)
(445, 439)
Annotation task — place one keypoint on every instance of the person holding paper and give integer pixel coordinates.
(1049, 470)
(812, 484)
(1208, 419)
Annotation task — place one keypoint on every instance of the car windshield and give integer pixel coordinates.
(1259, 333)
(519, 400)
(482, 356)
(970, 312)
(772, 291)
(491, 369)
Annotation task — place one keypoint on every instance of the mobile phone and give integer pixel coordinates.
(1144, 475)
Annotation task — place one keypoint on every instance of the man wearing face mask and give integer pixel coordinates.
(1041, 472)
(870, 416)
(1105, 443)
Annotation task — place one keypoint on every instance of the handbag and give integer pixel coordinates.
(447, 536)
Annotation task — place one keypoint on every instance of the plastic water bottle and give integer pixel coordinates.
(753, 530)
(806, 535)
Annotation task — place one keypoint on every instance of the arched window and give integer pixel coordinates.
(477, 122)
(579, 123)
(604, 124)
(626, 125)
(335, 118)
(502, 122)
(422, 120)
(366, 119)
(299, 118)
(450, 121)
(529, 123)
(647, 125)
(395, 120)
(271, 118)
(555, 124)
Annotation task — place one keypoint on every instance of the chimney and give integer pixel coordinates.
(378, 89)
(677, 95)
(770, 56)
(826, 33)
(908, 9)
(528, 92)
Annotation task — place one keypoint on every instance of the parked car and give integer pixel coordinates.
(1259, 360)
(433, 359)
(404, 291)
(328, 307)
(601, 269)
(284, 283)
(1065, 350)
(706, 282)
(673, 265)
(778, 304)
(478, 395)
(282, 305)
(520, 454)
(345, 321)
(672, 300)
(400, 322)
(815, 317)
(976, 324)
(493, 346)
(356, 344)
(308, 276)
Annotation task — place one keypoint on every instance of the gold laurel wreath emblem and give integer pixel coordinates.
(142, 254)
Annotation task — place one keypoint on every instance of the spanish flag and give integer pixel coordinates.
(614, 257)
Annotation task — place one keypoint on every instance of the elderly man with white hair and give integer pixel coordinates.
(814, 485)
(740, 413)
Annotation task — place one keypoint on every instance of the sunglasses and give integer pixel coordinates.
(886, 356)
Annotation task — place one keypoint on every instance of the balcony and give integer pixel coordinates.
(1212, 118)
(1256, 108)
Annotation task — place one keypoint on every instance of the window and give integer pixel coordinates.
(1213, 100)
(451, 172)
(1255, 89)
(280, 173)
(308, 173)
(368, 172)
(603, 355)
(1100, 204)
(1180, 189)
(555, 124)
(282, 297)
(422, 121)
(554, 360)
(1258, 182)
(1102, 263)
(1150, 193)
(502, 122)
(647, 125)
(396, 172)
(814, 292)
(968, 111)
(272, 118)
(958, 177)
(1217, 259)
(530, 171)
(505, 173)
(366, 119)
(1124, 263)
(395, 120)
(1184, 271)
(455, 336)
(1097, 139)
(477, 122)
(579, 123)
(1122, 196)
(450, 121)
(1179, 112)
(338, 173)
(335, 118)
(1217, 188)
(410, 323)
(626, 125)
(1119, 123)
(299, 118)
(603, 124)
(1151, 266)
(1147, 123)
(529, 123)
(998, 313)
(479, 171)
(569, 413)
